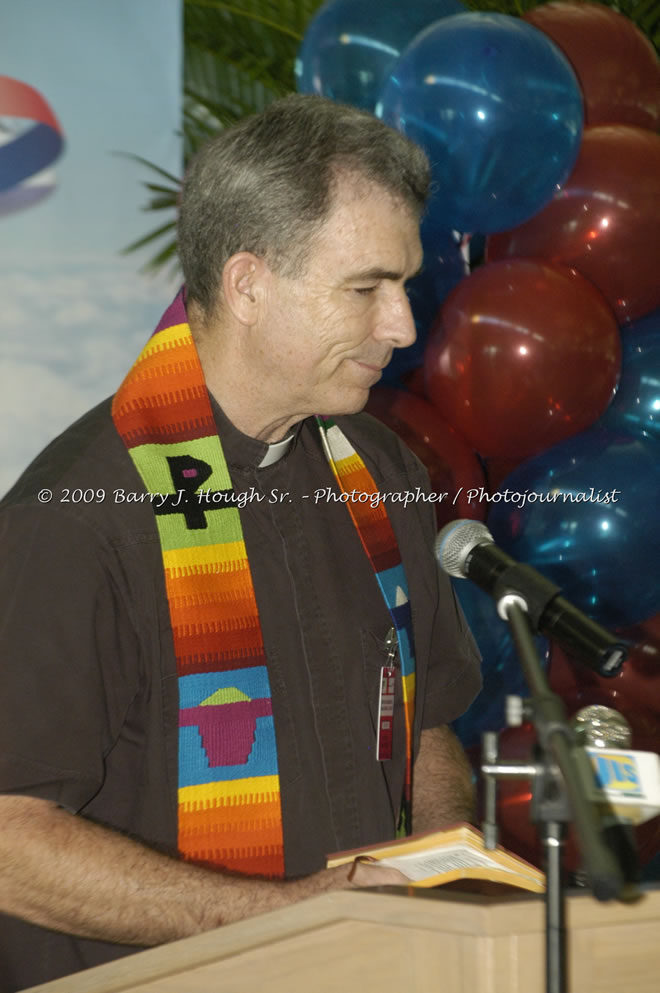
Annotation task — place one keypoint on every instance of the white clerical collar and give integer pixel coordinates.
(275, 452)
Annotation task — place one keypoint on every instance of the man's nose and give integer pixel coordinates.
(395, 322)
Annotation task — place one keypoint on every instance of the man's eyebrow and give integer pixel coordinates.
(377, 273)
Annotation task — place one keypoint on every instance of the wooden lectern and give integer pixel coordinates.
(398, 940)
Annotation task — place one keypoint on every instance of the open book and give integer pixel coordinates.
(438, 857)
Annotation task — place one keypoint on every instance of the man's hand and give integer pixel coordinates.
(366, 872)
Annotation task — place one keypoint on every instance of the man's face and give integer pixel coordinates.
(328, 334)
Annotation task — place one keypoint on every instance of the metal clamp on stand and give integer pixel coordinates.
(561, 780)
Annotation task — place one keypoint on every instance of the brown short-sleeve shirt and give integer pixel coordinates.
(88, 712)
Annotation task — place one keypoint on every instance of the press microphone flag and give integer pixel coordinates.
(626, 783)
(466, 549)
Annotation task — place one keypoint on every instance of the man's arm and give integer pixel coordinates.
(443, 793)
(61, 871)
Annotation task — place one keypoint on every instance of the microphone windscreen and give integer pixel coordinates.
(455, 542)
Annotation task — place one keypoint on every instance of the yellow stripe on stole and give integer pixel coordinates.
(165, 339)
(232, 791)
(409, 686)
(203, 558)
(351, 463)
(409, 700)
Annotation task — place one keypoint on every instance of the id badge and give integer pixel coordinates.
(385, 713)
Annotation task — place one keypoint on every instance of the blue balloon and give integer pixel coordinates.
(443, 268)
(585, 513)
(636, 405)
(500, 667)
(350, 45)
(498, 109)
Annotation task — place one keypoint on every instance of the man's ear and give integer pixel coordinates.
(242, 283)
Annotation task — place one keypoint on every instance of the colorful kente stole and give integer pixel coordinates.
(229, 811)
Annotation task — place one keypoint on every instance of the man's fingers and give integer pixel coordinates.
(369, 872)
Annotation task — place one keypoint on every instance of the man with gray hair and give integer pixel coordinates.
(238, 655)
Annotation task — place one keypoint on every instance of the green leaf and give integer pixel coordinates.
(171, 190)
(150, 165)
(165, 255)
(255, 15)
(149, 237)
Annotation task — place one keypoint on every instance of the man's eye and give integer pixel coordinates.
(365, 290)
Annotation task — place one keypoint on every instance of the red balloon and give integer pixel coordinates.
(514, 797)
(638, 683)
(634, 691)
(616, 65)
(453, 468)
(605, 222)
(497, 470)
(413, 382)
(522, 355)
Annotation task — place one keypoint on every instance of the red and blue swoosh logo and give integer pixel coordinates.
(28, 151)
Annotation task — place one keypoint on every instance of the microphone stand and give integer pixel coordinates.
(561, 782)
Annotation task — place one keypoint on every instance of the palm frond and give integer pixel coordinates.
(166, 254)
(150, 165)
(141, 242)
(646, 15)
(254, 13)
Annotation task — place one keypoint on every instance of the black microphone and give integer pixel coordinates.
(466, 549)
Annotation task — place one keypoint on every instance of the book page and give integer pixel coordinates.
(421, 865)
(436, 857)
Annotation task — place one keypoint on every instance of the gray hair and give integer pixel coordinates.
(266, 185)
